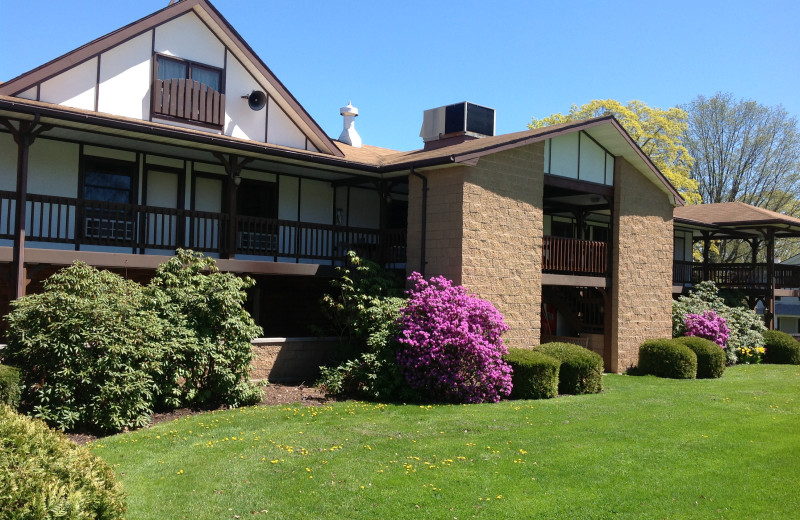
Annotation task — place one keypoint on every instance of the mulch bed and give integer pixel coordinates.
(274, 394)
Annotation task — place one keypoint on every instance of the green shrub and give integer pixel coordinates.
(101, 353)
(710, 357)
(781, 348)
(362, 310)
(87, 348)
(44, 475)
(746, 327)
(534, 376)
(581, 370)
(667, 358)
(209, 333)
(9, 386)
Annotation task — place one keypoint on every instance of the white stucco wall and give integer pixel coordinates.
(73, 88)
(240, 119)
(281, 130)
(125, 74)
(188, 38)
(8, 162)
(53, 168)
(316, 202)
(287, 197)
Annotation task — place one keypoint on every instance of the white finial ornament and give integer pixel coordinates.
(349, 134)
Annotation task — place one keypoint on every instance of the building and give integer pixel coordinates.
(171, 132)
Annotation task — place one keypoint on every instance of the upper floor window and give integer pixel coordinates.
(185, 90)
(169, 68)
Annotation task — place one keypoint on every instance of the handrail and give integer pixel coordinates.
(55, 219)
(574, 256)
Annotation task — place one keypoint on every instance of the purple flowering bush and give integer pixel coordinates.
(708, 325)
(450, 343)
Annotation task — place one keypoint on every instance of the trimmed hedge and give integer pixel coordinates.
(535, 375)
(9, 386)
(781, 348)
(667, 358)
(710, 356)
(581, 370)
(44, 475)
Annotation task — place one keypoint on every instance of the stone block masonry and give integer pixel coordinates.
(642, 267)
(290, 360)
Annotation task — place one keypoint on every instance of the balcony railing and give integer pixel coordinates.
(574, 256)
(739, 276)
(189, 100)
(75, 221)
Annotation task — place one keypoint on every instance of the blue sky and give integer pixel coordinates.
(523, 58)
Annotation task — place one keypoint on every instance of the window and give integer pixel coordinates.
(185, 90)
(169, 68)
(110, 184)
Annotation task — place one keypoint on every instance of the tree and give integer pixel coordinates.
(744, 152)
(659, 133)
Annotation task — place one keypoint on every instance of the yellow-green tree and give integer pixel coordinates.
(658, 132)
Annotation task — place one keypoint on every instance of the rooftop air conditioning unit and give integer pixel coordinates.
(460, 119)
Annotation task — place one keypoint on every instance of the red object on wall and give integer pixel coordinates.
(548, 319)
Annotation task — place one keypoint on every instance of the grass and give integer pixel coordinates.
(644, 448)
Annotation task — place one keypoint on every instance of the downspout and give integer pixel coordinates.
(424, 220)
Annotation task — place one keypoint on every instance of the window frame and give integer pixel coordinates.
(127, 215)
(189, 67)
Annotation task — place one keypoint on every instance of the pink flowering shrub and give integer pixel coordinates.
(708, 325)
(450, 344)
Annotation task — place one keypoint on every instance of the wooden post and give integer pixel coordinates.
(24, 136)
(770, 300)
(706, 247)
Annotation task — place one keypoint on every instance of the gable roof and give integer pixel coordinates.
(215, 22)
(736, 216)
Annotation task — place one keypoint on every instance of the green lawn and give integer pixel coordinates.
(644, 448)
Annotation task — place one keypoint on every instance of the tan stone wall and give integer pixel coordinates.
(443, 242)
(289, 360)
(642, 266)
(502, 238)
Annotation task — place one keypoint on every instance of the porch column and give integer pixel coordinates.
(769, 306)
(24, 136)
(233, 167)
(706, 247)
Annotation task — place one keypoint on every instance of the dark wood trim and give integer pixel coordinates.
(97, 85)
(578, 185)
(266, 119)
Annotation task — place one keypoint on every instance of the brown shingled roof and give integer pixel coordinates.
(732, 214)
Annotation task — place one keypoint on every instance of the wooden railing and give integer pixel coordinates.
(574, 256)
(190, 100)
(734, 275)
(75, 221)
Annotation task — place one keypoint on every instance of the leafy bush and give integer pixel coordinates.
(781, 348)
(534, 375)
(451, 345)
(101, 353)
(581, 370)
(746, 327)
(9, 386)
(209, 333)
(709, 326)
(667, 358)
(87, 348)
(44, 475)
(363, 310)
(710, 356)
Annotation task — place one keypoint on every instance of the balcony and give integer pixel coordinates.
(573, 256)
(62, 220)
(188, 100)
(745, 276)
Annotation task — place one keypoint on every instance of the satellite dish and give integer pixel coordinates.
(256, 100)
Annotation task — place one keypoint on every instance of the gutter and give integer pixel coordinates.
(424, 219)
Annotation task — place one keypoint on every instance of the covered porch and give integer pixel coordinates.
(763, 278)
